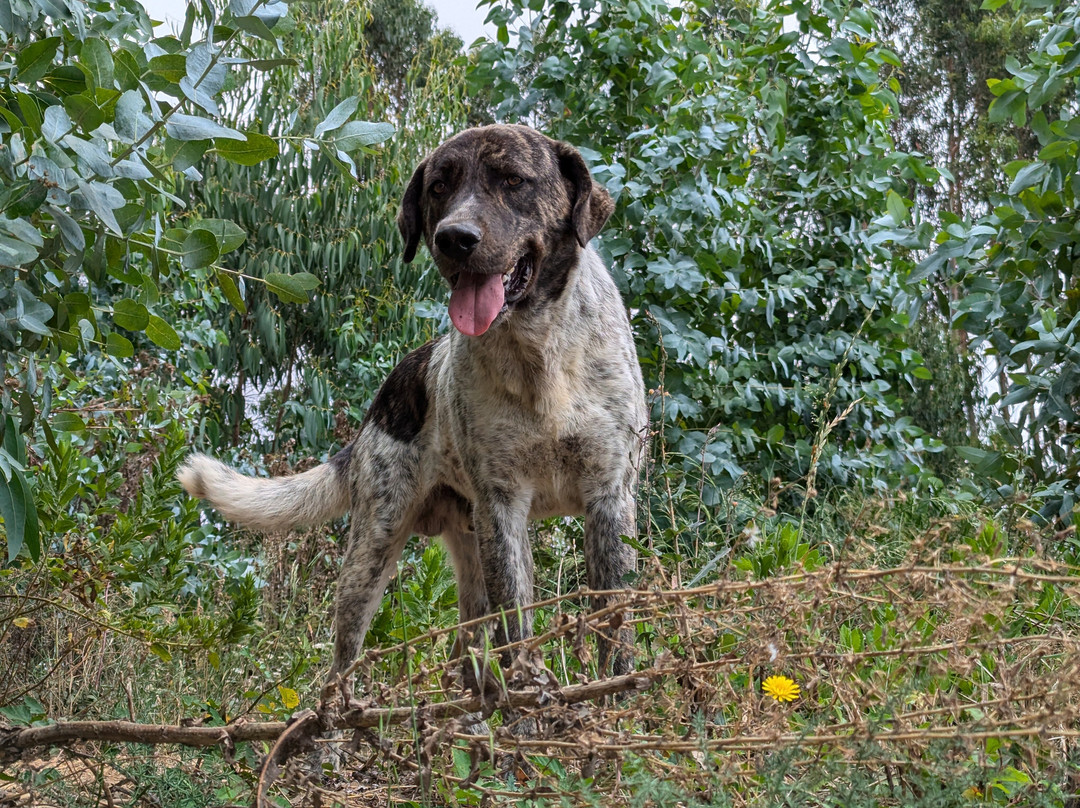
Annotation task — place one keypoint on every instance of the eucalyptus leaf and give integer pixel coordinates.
(254, 149)
(291, 288)
(338, 115)
(119, 346)
(130, 314)
(162, 334)
(193, 127)
(35, 59)
(357, 134)
(200, 249)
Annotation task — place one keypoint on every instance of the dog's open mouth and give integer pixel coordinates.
(476, 299)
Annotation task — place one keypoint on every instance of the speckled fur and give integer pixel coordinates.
(472, 437)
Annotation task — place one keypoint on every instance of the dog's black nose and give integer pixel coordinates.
(457, 240)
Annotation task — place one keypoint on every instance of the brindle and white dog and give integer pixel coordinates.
(532, 407)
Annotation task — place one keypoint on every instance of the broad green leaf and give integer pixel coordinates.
(896, 207)
(55, 123)
(14, 253)
(96, 56)
(24, 201)
(291, 288)
(1028, 176)
(985, 461)
(249, 152)
(1008, 105)
(84, 113)
(203, 72)
(66, 422)
(269, 64)
(1045, 91)
(118, 346)
(20, 516)
(129, 118)
(130, 314)
(31, 108)
(103, 199)
(33, 314)
(35, 59)
(126, 70)
(72, 234)
(14, 510)
(228, 235)
(187, 153)
(170, 66)
(231, 292)
(93, 156)
(1059, 148)
(256, 27)
(200, 249)
(162, 334)
(132, 170)
(356, 134)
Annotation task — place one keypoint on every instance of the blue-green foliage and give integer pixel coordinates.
(756, 185)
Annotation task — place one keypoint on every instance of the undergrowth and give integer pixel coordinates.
(933, 643)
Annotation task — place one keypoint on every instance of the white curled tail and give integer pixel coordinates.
(271, 505)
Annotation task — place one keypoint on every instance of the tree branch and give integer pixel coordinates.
(14, 740)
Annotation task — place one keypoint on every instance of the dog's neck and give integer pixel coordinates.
(528, 358)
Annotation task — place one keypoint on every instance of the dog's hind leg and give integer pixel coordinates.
(384, 485)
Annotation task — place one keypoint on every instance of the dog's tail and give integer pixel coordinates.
(269, 505)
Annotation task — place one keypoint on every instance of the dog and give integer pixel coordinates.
(531, 406)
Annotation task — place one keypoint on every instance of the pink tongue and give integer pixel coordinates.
(476, 302)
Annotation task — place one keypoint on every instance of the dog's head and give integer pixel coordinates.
(504, 211)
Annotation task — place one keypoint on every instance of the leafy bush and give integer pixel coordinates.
(756, 184)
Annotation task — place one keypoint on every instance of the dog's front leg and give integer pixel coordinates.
(610, 515)
(501, 517)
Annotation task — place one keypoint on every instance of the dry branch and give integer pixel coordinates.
(15, 740)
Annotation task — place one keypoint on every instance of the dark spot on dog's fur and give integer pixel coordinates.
(341, 460)
(443, 506)
(400, 406)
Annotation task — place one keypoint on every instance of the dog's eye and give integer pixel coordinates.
(438, 188)
(514, 180)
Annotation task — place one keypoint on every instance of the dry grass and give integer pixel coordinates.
(950, 670)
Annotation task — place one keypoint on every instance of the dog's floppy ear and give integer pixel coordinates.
(409, 220)
(591, 202)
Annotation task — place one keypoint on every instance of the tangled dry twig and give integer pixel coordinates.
(891, 663)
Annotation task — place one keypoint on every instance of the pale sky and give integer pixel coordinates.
(460, 15)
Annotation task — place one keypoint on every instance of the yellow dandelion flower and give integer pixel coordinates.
(781, 688)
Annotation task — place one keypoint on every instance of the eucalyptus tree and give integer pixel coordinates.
(104, 125)
(1014, 267)
(327, 209)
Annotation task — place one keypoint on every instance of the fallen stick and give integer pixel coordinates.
(13, 740)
